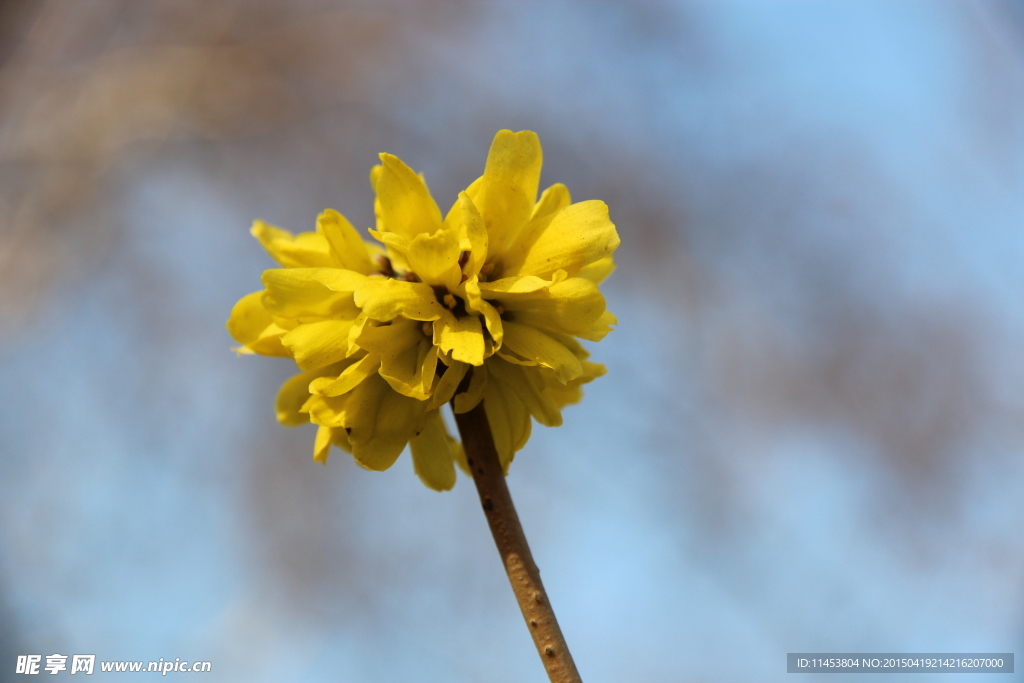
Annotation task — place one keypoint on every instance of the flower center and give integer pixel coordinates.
(456, 304)
(387, 269)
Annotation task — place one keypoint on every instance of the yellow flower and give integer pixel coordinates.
(490, 298)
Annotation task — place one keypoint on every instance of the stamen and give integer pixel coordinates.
(428, 329)
(449, 300)
(385, 265)
(500, 309)
(487, 269)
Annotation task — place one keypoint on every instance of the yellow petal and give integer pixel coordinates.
(535, 345)
(348, 248)
(571, 391)
(600, 328)
(385, 299)
(474, 393)
(518, 284)
(348, 379)
(269, 343)
(600, 269)
(407, 358)
(322, 445)
(327, 411)
(372, 415)
(309, 292)
(398, 418)
(477, 304)
(465, 219)
(307, 249)
(339, 280)
(394, 242)
(577, 236)
(570, 342)
(570, 307)
(508, 191)
(460, 455)
(358, 413)
(528, 385)
(404, 204)
(509, 421)
(551, 202)
(462, 337)
(432, 456)
(252, 326)
(447, 384)
(391, 338)
(507, 354)
(291, 397)
(435, 258)
(320, 343)
(248, 318)
(405, 371)
(339, 437)
(427, 361)
(397, 246)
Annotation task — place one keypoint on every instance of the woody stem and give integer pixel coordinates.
(523, 574)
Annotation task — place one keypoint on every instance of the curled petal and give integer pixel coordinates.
(477, 304)
(461, 337)
(435, 258)
(349, 378)
(412, 372)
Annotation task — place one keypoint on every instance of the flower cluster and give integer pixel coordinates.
(483, 304)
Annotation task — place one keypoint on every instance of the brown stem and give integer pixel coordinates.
(523, 574)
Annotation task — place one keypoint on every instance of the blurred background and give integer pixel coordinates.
(810, 437)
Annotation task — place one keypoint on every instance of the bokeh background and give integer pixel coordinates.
(810, 435)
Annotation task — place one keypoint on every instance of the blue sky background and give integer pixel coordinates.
(809, 438)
